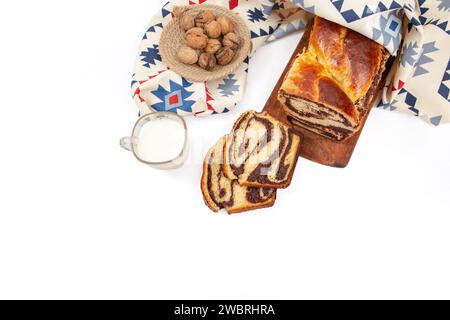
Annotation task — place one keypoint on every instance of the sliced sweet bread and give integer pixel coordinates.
(332, 83)
(261, 151)
(220, 192)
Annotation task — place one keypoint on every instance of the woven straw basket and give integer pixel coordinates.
(173, 37)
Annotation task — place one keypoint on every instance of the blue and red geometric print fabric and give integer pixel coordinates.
(422, 47)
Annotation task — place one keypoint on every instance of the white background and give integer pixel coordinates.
(80, 218)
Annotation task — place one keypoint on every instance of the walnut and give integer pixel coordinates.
(204, 18)
(187, 22)
(224, 55)
(196, 39)
(231, 40)
(195, 30)
(213, 29)
(225, 25)
(213, 45)
(187, 55)
(207, 61)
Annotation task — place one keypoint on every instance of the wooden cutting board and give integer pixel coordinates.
(315, 147)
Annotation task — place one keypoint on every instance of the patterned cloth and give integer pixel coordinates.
(415, 31)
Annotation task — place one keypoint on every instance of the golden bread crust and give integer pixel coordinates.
(336, 70)
(204, 183)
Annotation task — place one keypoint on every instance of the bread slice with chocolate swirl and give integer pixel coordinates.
(220, 192)
(261, 151)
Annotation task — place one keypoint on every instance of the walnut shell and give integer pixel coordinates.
(213, 45)
(187, 55)
(196, 39)
(207, 61)
(231, 40)
(195, 30)
(226, 25)
(187, 22)
(213, 30)
(204, 18)
(224, 55)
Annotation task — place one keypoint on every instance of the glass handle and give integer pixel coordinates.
(125, 143)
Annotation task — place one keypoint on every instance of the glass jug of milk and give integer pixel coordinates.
(158, 139)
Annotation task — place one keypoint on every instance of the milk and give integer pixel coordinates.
(160, 139)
